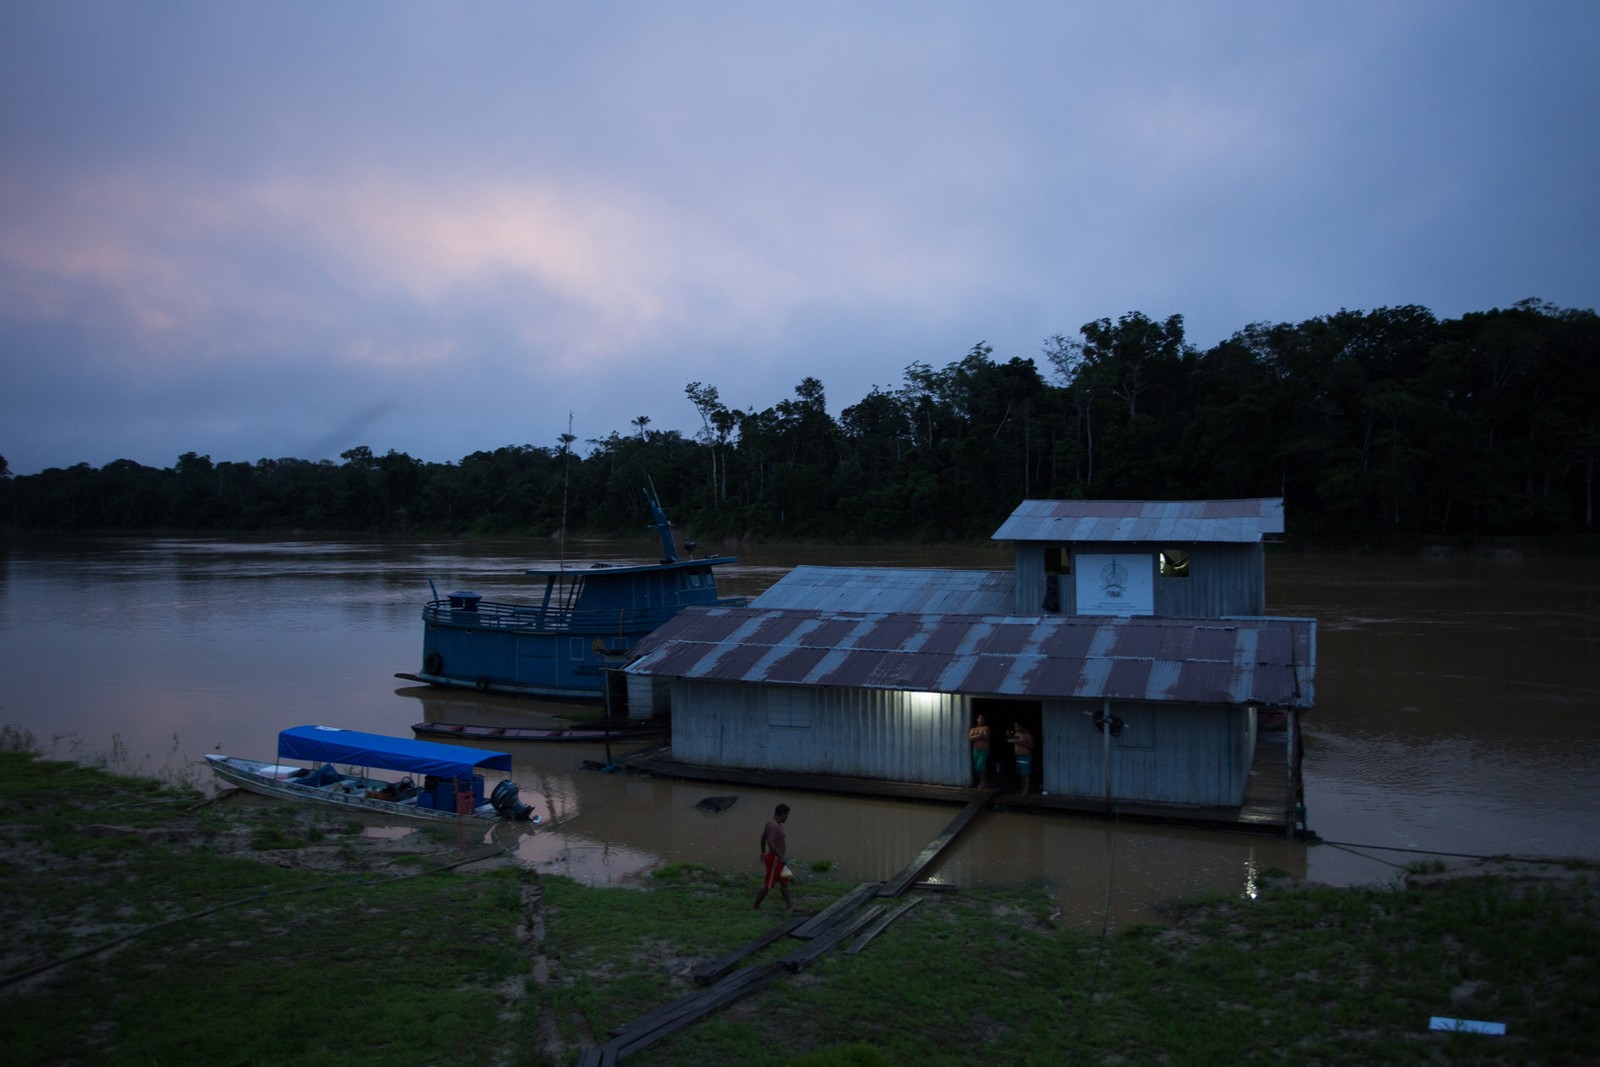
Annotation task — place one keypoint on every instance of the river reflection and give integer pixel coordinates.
(1458, 710)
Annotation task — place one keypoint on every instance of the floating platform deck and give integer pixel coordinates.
(1266, 807)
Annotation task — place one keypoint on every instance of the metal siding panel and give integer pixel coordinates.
(1028, 565)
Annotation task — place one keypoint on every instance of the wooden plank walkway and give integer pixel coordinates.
(826, 931)
(897, 885)
(829, 915)
(710, 972)
(822, 932)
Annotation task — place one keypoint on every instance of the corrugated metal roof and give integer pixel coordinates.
(1230, 521)
(896, 589)
(1205, 661)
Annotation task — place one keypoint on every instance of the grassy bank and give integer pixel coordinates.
(141, 925)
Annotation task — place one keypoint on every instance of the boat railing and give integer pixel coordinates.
(490, 615)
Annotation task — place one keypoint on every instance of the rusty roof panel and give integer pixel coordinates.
(899, 671)
(947, 635)
(830, 632)
(1129, 679)
(736, 661)
(888, 631)
(1142, 521)
(795, 664)
(1210, 681)
(1068, 642)
(989, 674)
(1239, 660)
(1213, 642)
(1007, 638)
(1053, 676)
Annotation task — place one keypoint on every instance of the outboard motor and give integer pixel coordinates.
(506, 803)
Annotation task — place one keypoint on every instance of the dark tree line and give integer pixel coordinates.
(1376, 427)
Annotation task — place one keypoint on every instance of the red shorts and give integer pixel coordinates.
(774, 867)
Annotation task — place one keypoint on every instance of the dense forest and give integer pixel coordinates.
(1376, 427)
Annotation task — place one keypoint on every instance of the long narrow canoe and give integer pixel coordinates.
(531, 733)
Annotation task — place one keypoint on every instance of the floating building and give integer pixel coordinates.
(1130, 640)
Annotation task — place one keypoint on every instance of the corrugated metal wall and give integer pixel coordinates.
(1224, 579)
(865, 733)
(1168, 754)
(1029, 565)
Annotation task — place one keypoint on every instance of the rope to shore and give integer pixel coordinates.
(1105, 931)
(1350, 846)
(12, 979)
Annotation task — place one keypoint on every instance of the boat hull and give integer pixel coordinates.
(351, 793)
(520, 733)
(505, 649)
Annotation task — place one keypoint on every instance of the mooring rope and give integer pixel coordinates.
(1105, 931)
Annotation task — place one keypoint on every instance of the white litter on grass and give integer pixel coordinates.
(1465, 1026)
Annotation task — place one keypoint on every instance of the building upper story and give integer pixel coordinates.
(1188, 558)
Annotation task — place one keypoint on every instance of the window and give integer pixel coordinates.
(788, 708)
(1174, 563)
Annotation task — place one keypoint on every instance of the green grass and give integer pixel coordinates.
(246, 954)
(233, 959)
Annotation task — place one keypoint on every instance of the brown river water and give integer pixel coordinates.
(1458, 711)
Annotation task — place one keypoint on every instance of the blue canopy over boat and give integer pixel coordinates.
(329, 744)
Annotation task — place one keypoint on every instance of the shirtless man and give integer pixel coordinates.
(978, 739)
(774, 854)
(1022, 747)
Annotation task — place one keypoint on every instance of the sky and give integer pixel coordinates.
(285, 229)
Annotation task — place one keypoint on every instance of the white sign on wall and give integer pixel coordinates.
(1120, 584)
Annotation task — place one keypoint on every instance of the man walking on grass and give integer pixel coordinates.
(774, 856)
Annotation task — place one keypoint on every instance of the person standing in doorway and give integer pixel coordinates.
(774, 857)
(978, 740)
(1022, 749)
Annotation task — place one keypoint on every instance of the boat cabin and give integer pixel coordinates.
(1187, 558)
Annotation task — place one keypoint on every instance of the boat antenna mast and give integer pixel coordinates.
(566, 484)
(669, 552)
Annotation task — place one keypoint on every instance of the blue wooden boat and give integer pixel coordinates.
(437, 781)
(585, 619)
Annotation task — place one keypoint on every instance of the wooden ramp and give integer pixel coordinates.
(726, 982)
(913, 870)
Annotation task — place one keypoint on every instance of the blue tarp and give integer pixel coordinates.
(329, 744)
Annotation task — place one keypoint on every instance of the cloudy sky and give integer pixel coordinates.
(285, 229)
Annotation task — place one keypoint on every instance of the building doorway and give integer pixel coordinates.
(1002, 715)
